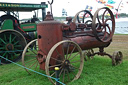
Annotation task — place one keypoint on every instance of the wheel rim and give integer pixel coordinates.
(11, 46)
(70, 65)
(117, 58)
(29, 59)
(103, 26)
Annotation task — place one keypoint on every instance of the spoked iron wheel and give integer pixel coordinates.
(103, 26)
(29, 56)
(67, 55)
(12, 44)
(117, 58)
(88, 54)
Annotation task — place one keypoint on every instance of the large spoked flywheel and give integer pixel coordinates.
(66, 55)
(12, 44)
(87, 17)
(103, 24)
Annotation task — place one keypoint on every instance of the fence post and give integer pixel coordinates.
(57, 75)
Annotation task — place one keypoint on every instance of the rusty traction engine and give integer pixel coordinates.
(62, 45)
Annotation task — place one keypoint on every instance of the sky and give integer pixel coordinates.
(72, 6)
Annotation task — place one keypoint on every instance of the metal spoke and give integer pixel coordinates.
(2, 48)
(14, 38)
(4, 54)
(109, 29)
(11, 56)
(5, 37)
(67, 50)
(32, 64)
(72, 52)
(31, 55)
(104, 34)
(107, 25)
(55, 65)
(60, 71)
(58, 53)
(14, 53)
(103, 16)
(75, 61)
(10, 38)
(74, 56)
(36, 66)
(73, 73)
(3, 41)
(29, 61)
(18, 45)
(32, 50)
(73, 66)
(16, 42)
(56, 59)
(63, 75)
(100, 29)
(52, 74)
(68, 75)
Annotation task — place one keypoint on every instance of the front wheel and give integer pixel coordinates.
(67, 55)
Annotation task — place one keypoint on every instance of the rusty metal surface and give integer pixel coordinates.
(49, 33)
(53, 37)
(85, 35)
(102, 25)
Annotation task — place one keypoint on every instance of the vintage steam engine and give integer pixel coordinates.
(60, 45)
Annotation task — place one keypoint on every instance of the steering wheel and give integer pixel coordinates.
(107, 19)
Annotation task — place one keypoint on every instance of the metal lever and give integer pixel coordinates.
(51, 5)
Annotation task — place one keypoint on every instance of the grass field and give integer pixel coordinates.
(97, 71)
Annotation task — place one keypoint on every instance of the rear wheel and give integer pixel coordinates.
(117, 58)
(12, 44)
(29, 59)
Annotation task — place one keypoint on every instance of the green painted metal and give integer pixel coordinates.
(28, 27)
(35, 34)
(12, 36)
(7, 24)
(10, 42)
(21, 6)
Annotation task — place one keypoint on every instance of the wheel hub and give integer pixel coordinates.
(66, 64)
(9, 47)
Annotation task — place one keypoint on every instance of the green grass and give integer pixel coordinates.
(98, 71)
(120, 34)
